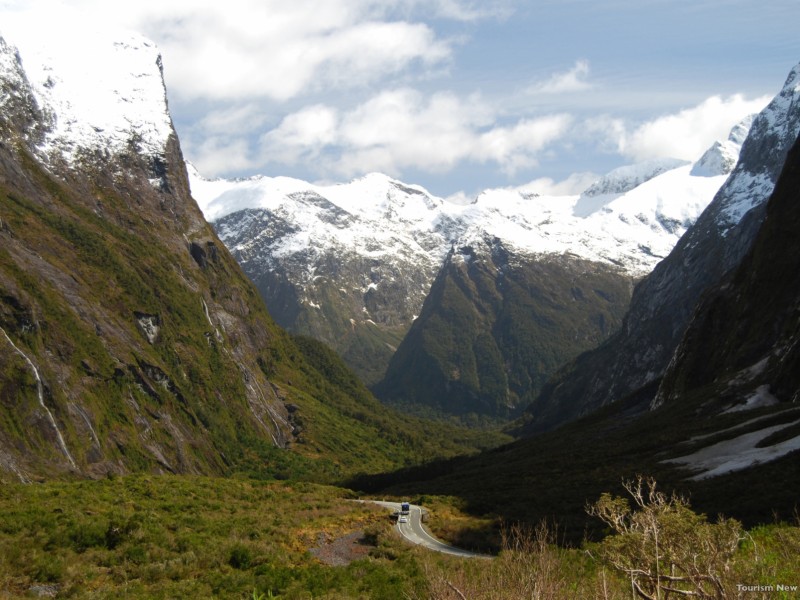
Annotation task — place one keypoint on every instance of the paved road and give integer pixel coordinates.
(416, 533)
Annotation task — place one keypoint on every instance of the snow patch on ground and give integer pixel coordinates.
(760, 398)
(738, 453)
(748, 373)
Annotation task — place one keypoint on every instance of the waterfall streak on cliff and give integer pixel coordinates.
(40, 393)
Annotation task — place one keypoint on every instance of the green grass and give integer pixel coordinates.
(145, 536)
(167, 537)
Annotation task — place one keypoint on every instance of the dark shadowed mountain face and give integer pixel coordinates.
(664, 301)
(496, 325)
(742, 345)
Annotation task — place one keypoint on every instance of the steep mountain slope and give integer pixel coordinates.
(744, 337)
(663, 303)
(495, 325)
(130, 339)
(348, 265)
(351, 264)
(500, 320)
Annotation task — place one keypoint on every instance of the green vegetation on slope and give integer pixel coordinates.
(365, 328)
(351, 425)
(144, 536)
(190, 537)
(155, 351)
(494, 328)
(552, 476)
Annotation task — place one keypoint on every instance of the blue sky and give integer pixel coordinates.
(456, 95)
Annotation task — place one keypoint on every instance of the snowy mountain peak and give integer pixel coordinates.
(100, 90)
(741, 130)
(624, 179)
(721, 157)
(772, 133)
(376, 215)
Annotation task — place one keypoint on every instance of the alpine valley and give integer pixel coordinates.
(450, 308)
(698, 388)
(172, 346)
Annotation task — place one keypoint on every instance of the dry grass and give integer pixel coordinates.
(531, 566)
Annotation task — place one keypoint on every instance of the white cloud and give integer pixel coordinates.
(606, 131)
(240, 49)
(518, 146)
(688, 133)
(301, 135)
(235, 119)
(573, 184)
(217, 154)
(402, 129)
(573, 80)
(462, 10)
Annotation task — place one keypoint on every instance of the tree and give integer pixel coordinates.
(664, 548)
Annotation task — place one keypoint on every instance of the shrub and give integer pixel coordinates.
(663, 547)
(241, 557)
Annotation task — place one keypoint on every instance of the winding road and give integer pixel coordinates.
(416, 533)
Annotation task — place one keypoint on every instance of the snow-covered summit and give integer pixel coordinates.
(721, 157)
(99, 90)
(771, 134)
(626, 178)
(631, 218)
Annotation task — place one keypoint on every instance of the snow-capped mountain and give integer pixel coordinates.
(129, 338)
(626, 178)
(721, 157)
(352, 263)
(665, 300)
(97, 90)
(631, 217)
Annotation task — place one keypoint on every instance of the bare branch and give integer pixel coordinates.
(456, 590)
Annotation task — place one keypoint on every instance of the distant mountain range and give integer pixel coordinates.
(363, 267)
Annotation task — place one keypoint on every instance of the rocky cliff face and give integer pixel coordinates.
(743, 338)
(130, 337)
(663, 302)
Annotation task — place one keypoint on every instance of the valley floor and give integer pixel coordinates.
(144, 536)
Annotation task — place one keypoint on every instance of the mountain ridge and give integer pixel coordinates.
(351, 264)
(664, 301)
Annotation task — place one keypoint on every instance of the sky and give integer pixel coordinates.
(454, 95)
